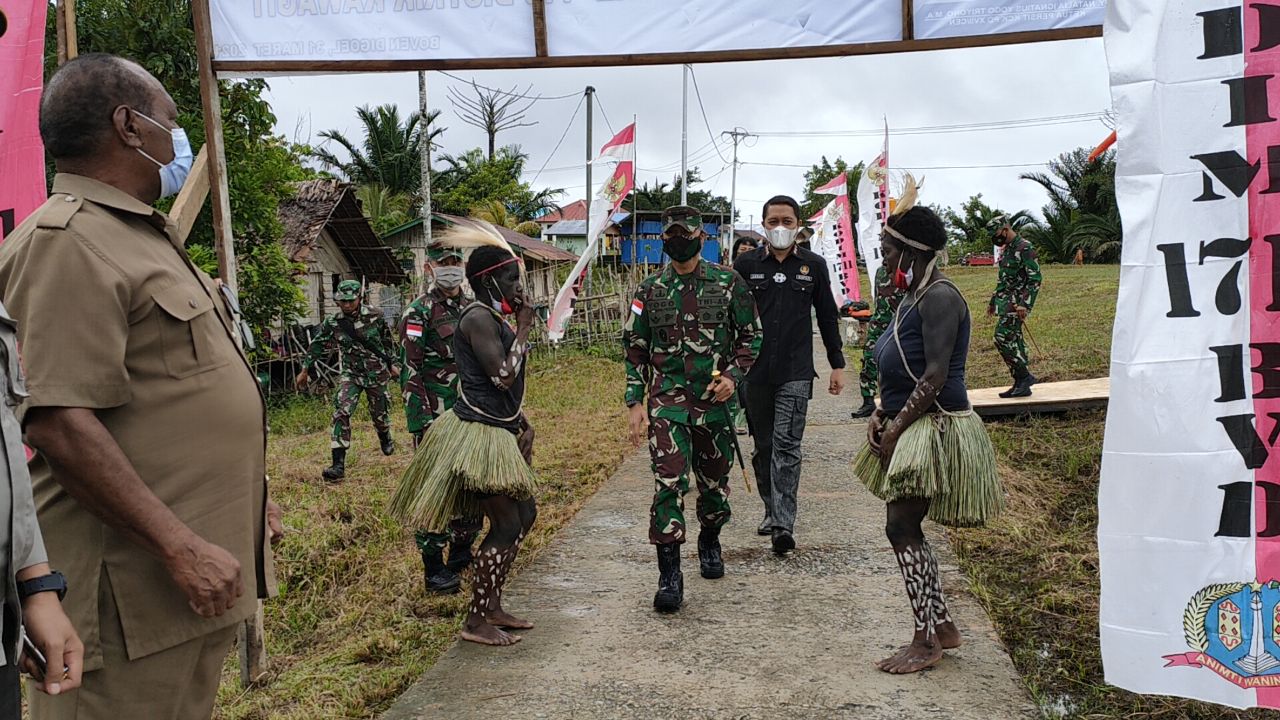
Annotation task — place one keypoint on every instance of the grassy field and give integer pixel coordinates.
(353, 627)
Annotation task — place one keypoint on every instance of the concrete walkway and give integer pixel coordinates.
(794, 637)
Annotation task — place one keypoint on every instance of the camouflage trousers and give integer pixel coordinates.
(869, 375)
(677, 450)
(344, 406)
(1010, 344)
(462, 533)
(421, 408)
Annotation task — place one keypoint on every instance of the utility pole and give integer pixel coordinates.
(738, 134)
(425, 150)
(590, 194)
(684, 138)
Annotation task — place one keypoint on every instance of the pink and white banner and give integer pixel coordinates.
(22, 183)
(873, 210)
(1189, 504)
(833, 240)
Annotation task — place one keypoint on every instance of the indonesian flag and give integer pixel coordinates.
(834, 242)
(873, 209)
(606, 202)
(817, 217)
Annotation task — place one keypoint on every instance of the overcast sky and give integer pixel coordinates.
(953, 87)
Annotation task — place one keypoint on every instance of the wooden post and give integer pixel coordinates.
(186, 208)
(222, 232)
(73, 44)
(253, 650)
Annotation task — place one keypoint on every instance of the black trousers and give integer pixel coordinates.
(10, 692)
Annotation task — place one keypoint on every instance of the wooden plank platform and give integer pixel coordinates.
(1052, 397)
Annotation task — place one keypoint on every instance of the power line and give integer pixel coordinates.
(944, 129)
(517, 96)
(563, 135)
(912, 167)
(703, 108)
(607, 124)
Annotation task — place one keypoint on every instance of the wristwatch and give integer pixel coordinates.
(53, 582)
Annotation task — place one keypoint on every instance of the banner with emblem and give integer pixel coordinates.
(873, 210)
(622, 148)
(833, 240)
(1189, 503)
(22, 181)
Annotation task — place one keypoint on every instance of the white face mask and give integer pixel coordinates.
(781, 237)
(449, 277)
(174, 174)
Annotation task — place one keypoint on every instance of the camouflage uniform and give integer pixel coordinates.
(362, 370)
(429, 381)
(678, 330)
(1017, 286)
(887, 298)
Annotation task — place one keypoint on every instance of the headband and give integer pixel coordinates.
(495, 266)
(907, 240)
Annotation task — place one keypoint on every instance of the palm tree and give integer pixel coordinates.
(493, 211)
(390, 153)
(385, 209)
(1082, 213)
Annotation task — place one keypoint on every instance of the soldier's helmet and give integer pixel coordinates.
(348, 290)
(689, 218)
(438, 252)
(996, 223)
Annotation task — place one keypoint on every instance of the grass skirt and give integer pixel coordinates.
(946, 458)
(455, 461)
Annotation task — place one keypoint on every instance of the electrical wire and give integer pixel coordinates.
(604, 114)
(508, 93)
(943, 129)
(703, 108)
(912, 167)
(563, 135)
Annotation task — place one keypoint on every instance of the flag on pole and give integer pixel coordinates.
(834, 242)
(608, 199)
(873, 209)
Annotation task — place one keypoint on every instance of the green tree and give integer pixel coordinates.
(967, 230)
(261, 166)
(662, 195)
(471, 180)
(390, 153)
(385, 209)
(1082, 213)
(822, 173)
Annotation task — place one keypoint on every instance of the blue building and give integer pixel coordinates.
(642, 238)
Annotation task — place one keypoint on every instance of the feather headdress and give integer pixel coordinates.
(910, 194)
(474, 233)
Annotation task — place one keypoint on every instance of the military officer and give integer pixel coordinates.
(1017, 286)
(364, 345)
(887, 297)
(690, 337)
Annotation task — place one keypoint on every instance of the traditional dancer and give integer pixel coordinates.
(927, 452)
(477, 455)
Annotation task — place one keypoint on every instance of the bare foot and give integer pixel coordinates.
(486, 634)
(912, 658)
(949, 636)
(501, 618)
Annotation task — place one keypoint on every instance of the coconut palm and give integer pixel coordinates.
(384, 208)
(389, 155)
(1082, 212)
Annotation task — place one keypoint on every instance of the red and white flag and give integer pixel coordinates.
(834, 241)
(873, 209)
(607, 200)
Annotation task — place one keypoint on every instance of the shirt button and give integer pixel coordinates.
(70, 198)
(193, 304)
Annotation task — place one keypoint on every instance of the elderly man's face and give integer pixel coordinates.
(149, 130)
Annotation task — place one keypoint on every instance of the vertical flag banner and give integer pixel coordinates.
(834, 241)
(1189, 503)
(873, 210)
(22, 183)
(608, 199)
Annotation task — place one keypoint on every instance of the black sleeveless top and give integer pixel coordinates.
(479, 400)
(896, 384)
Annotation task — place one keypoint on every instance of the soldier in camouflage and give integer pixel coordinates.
(429, 381)
(364, 346)
(887, 297)
(690, 337)
(1016, 290)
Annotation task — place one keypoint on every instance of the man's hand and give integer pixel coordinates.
(837, 381)
(991, 310)
(525, 314)
(51, 631)
(638, 415)
(302, 380)
(888, 441)
(1021, 312)
(722, 388)
(275, 522)
(208, 575)
(525, 442)
(875, 425)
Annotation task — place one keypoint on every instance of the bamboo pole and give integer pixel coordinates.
(222, 229)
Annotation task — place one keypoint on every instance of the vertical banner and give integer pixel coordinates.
(834, 241)
(22, 182)
(608, 199)
(1189, 503)
(873, 210)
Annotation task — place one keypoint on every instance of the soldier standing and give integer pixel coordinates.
(429, 380)
(887, 297)
(690, 338)
(1016, 289)
(364, 347)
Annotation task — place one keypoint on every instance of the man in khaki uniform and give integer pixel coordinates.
(150, 478)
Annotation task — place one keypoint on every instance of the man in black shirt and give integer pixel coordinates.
(788, 282)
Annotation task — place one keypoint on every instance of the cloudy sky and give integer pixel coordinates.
(836, 95)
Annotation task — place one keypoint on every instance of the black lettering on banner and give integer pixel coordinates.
(1224, 30)
(1245, 439)
(1238, 508)
(1175, 272)
(1231, 169)
(1228, 297)
(6, 222)
(1249, 104)
(1230, 372)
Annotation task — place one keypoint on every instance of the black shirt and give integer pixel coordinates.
(784, 294)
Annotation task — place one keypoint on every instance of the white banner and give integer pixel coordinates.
(1189, 504)
(942, 19)
(873, 208)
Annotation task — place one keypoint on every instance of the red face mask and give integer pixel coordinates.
(901, 280)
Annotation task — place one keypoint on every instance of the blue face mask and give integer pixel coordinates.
(173, 175)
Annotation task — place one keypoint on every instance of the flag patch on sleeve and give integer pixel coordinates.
(637, 307)
(413, 330)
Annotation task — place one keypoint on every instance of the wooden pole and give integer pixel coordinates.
(60, 22)
(73, 43)
(186, 208)
(218, 189)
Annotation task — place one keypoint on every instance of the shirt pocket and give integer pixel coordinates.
(804, 287)
(187, 322)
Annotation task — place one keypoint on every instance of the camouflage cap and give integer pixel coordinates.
(348, 290)
(438, 252)
(997, 222)
(689, 218)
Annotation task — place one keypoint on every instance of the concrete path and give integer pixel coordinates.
(794, 637)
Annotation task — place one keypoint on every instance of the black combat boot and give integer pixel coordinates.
(1022, 388)
(1012, 388)
(709, 561)
(387, 443)
(338, 470)
(438, 578)
(459, 557)
(670, 593)
(868, 407)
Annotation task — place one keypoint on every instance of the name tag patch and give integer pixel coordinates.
(757, 276)
(806, 278)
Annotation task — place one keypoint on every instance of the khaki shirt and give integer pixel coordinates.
(112, 316)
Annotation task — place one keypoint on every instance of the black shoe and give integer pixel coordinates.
(1012, 389)
(670, 595)
(710, 563)
(438, 578)
(1022, 388)
(766, 526)
(868, 407)
(783, 542)
(388, 444)
(338, 470)
(459, 557)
